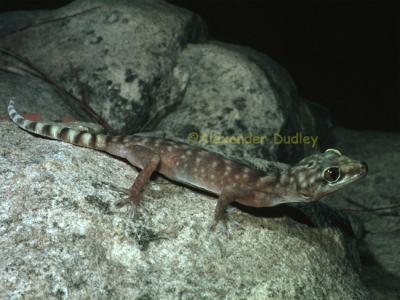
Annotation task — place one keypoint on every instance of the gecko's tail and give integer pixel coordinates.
(62, 133)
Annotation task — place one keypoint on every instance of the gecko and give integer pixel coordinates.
(230, 180)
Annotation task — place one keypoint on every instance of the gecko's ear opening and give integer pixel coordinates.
(332, 151)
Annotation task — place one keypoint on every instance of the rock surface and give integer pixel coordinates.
(61, 237)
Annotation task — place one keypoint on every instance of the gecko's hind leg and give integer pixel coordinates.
(149, 161)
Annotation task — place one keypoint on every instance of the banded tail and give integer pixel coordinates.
(62, 133)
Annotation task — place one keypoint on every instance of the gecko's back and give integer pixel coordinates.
(198, 167)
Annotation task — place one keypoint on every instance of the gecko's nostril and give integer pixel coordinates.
(364, 164)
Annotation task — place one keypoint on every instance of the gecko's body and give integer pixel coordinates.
(309, 180)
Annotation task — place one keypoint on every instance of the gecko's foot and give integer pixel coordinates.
(220, 228)
(234, 224)
(224, 226)
(231, 220)
(133, 209)
(212, 226)
(133, 199)
(122, 202)
(226, 219)
(230, 209)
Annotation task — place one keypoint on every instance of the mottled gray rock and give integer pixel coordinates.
(61, 237)
(124, 53)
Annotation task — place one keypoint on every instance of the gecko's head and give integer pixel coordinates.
(321, 174)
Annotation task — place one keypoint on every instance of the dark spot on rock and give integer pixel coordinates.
(95, 76)
(156, 81)
(95, 40)
(239, 124)
(128, 72)
(103, 68)
(59, 294)
(145, 297)
(129, 76)
(251, 91)
(76, 237)
(109, 82)
(269, 115)
(144, 237)
(227, 110)
(229, 131)
(239, 103)
(99, 203)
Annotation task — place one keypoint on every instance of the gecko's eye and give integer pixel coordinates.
(332, 174)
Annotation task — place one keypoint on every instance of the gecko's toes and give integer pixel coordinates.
(133, 209)
(126, 200)
(235, 224)
(220, 228)
(212, 226)
(231, 209)
(133, 212)
(121, 203)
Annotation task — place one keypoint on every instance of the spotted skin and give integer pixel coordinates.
(309, 180)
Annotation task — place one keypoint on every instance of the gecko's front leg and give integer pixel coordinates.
(150, 162)
(238, 194)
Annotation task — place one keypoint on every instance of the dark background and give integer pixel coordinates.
(343, 54)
